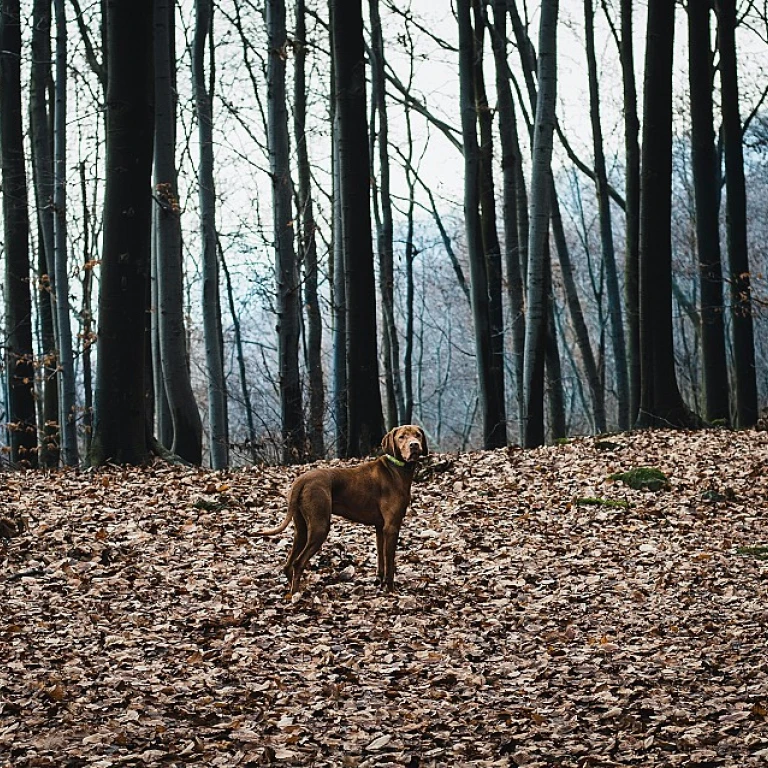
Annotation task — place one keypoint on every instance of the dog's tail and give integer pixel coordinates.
(286, 520)
(280, 528)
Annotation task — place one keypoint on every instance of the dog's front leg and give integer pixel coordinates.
(391, 534)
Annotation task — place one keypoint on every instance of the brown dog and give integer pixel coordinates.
(376, 493)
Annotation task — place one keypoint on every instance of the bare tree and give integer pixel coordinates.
(537, 316)
(120, 429)
(736, 220)
(18, 303)
(186, 425)
(286, 268)
(706, 187)
(366, 422)
(217, 394)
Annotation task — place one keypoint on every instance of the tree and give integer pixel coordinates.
(537, 316)
(660, 400)
(218, 440)
(382, 205)
(308, 244)
(606, 227)
(494, 427)
(42, 166)
(66, 363)
(18, 303)
(186, 425)
(119, 426)
(366, 421)
(286, 269)
(736, 221)
(706, 187)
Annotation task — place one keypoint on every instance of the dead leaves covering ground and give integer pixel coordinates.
(142, 624)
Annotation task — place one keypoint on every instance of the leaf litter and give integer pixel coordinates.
(143, 623)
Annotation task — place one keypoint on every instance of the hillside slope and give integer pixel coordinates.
(142, 623)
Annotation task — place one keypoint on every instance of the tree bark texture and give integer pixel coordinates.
(22, 418)
(736, 221)
(537, 317)
(286, 269)
(218, 439)
(493, 426)
(366, 421)
(488, 227)
(660, 402)
(66, 366)
(308, 245)
(706, 186)
(119, 429)
(42, 157)
(606, 226)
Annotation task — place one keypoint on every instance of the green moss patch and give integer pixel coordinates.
(643, 479)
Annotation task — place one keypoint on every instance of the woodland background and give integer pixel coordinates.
(344, 223)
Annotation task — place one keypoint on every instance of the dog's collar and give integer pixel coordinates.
(397, 462)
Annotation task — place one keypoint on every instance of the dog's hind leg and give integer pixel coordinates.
(299, 542)
(316, 512)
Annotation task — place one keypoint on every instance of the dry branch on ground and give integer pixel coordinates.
(141, 623)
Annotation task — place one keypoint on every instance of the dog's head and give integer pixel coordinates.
(407, 443)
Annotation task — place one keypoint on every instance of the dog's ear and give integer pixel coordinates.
(388, 443)
(424, 446)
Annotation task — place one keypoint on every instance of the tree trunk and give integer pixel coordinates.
(186, 425)
(66, 377)
(40, 80)
(632, 208)
(286, 269)
(162, 423)
(308, 245)
(736, 221)
(391, 347)
(366, 422)
(494, 427)
(606, 227)
(536, 325)
(511, 166)
(706, 186)
(19, 363)
(86, 315)
(488, 228)
(119, 430)
(578, 323)
(339, 293)
(218, 439)
(553, 369)
(660, 402)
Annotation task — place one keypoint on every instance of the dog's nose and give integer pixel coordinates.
(415, 446)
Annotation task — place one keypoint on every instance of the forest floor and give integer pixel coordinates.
(142, 623)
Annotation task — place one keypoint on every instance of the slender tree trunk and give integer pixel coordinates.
(553, 368)
(66, 377)
(606, 226)
(40, 80)
(536, 326)
(736, 221)
(186, 424)
(391, 347)
(18, 302)
(489, 231)
(119, 430)
(308, 245)
(88, 336)
(660, 401)
(576, 313)
(286, 269)
(632, 208)
(493, 425)
(511, 164)
(217, 393)
(410, 258)
(339, 296)
(706, 185)
(366, 422)
(162, 422)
